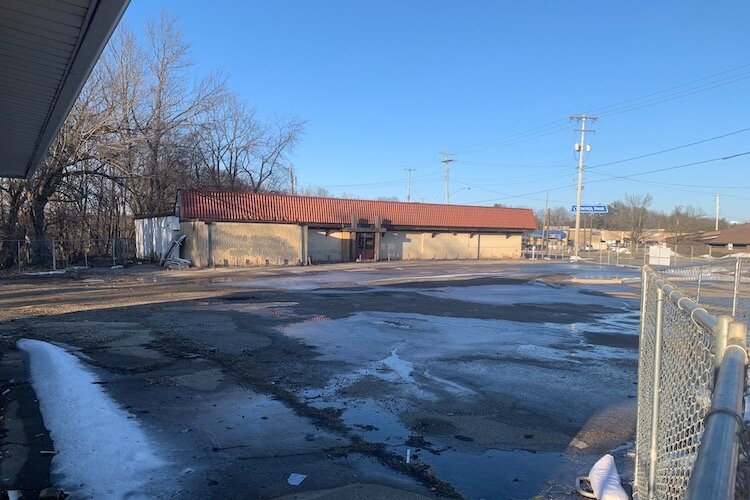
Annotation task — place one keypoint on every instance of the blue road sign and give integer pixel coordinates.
(591, 209)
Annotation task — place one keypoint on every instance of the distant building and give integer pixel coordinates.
(225, 228)
(734, 239)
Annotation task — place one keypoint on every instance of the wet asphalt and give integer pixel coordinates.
(501, 380)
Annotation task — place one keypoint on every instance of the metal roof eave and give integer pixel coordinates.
(102, 19)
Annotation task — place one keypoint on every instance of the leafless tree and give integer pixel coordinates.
(170, 109)
(268, 163)
(636, 209)
(230, 135)
(144, 126)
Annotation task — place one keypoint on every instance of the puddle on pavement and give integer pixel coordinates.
(492, 473)
(557, 360)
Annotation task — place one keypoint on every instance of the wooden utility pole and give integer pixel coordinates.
(292, 180)
(716, 226)
(447, 161)
(545, 243)
(582, 149)
(408, 183)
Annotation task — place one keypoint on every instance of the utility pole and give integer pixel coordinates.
(545, 244)
(408, 183)
(292, 179)
(716, 227)
(582, 149)
(447, 160)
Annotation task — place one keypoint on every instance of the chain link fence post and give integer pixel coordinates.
(737, 279)
(655, 402)
(644, 305)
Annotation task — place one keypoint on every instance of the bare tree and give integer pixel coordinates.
(143, 127)
(230, 135)
(268, 163)
(169, 110)
(636, 207)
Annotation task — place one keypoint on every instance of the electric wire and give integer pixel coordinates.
(646, 100)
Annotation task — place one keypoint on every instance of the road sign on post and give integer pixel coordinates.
(591, 209)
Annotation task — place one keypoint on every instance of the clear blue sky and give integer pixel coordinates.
(389, 84)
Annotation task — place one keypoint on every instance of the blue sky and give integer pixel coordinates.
(388, 85)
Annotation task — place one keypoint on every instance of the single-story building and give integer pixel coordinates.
(547, 238)
(733, 239)
(225, 228)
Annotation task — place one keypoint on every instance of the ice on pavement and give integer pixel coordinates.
(398, 365)
(101, 451)
(391, 347)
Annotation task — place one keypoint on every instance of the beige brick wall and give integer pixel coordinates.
(325, 248)
(450, 246)
(195, 247)
(498, 246)
(242, 244)
(401, 245)
(252, 244)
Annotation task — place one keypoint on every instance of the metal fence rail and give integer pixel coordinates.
(691, 380)
(722, 286)
(55, 254)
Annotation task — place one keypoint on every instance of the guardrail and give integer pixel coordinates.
(691, 382)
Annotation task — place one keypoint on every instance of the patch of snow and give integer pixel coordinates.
(101, 451)
(627, 323)
(544, 353)
(527, 293)
(402, 367)
(449, 385)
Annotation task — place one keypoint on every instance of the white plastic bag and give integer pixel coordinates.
(605, 481)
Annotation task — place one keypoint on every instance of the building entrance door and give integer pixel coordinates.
(365, 249)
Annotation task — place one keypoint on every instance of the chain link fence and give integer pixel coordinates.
(25, 256)
(721, 286)
(691, 378)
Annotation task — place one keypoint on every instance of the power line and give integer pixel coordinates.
(604, 109)
(381, 183)
(514, 165)
(614, 177)
(720, 158)
(647, 155)
(645, 100)
(672, 184)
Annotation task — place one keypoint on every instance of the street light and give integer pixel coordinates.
(459, 190)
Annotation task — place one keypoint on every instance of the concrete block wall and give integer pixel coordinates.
(500, 246)
(400, 245)
(254, 244)
(241, 244)
(324, 247)
(195, 247)
(251, 244)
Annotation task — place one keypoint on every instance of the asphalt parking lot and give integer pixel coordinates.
(499, 379)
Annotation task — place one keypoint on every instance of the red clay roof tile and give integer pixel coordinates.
(334, 212)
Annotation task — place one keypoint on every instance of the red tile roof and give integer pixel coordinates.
(232, 206)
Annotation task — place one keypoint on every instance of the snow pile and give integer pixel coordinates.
(102, 453)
